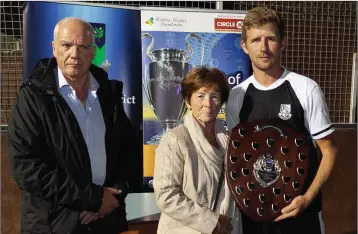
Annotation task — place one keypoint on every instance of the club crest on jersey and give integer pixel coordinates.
(285, 111)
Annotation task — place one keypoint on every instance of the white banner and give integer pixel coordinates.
(178, 21)
(174, 42)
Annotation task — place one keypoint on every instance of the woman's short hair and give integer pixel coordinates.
(200, 77)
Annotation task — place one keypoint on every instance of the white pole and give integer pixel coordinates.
(219, 5)
(353, 105)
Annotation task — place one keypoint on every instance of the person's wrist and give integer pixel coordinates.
(309, 197)
(95, 201)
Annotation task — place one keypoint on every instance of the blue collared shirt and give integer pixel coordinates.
(91, 122)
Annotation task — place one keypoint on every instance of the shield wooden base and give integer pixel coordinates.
(266, 167)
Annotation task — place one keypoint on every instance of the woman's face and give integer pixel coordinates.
(205, 104)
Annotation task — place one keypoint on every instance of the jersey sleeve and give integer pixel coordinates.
(317, 114)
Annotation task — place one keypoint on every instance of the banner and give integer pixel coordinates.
(173, 42)
(118, 50)
(117, 39)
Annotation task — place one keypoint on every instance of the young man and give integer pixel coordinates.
(70, 141)
(273, 92)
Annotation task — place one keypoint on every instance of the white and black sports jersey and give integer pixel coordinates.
(296, 99)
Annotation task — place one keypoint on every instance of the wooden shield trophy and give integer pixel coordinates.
(267, 163)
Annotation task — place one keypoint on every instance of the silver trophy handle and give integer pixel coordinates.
(145, 79)
(145, 83)
(191, 49)
(151, 45)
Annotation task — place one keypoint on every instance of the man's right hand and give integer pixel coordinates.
(223, 226)
(109, 201)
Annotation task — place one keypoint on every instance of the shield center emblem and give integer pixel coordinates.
(266, 170)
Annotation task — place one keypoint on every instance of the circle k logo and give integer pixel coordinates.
(228, 24)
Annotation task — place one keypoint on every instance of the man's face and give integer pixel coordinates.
(73, 49)
(264, 45)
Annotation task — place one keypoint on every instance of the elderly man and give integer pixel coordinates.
(70, 141)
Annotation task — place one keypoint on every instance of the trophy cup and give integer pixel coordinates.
(162, 82)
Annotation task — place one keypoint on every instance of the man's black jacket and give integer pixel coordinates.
(49, 157)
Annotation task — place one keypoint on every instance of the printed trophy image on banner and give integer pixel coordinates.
(173, 43)
(162, 79)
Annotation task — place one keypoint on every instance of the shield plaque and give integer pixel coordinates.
(267, 163)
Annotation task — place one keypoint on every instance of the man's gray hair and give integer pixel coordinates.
(64, 20)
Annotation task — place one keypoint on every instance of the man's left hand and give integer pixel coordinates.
(297, 206)
(88, 216)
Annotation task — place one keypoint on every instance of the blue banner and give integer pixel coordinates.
(117, 38)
